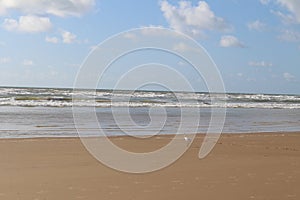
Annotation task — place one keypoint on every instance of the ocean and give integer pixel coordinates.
(47, 112)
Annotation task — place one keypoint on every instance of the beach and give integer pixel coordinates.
(241, 166)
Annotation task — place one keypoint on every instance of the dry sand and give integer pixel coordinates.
(247, 166)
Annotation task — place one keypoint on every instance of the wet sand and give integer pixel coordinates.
(241, 166)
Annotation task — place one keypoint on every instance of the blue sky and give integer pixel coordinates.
(255, 43)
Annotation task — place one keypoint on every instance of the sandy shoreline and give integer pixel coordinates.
(241, 166)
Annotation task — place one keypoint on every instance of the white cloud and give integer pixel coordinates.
(152, 30)
(293, 10)
(256, 25)
(10, 24)
(5, 60)
(65, 37)
(288, 77)
(230, 41)
(33, 12)
(182, 47)
(29, 24)
(130, 36)
(289, 36)
(260, 64)
(68, 37)
(192, 20)
(61, 8)
(181, 63)
(265, 2)
(54, 40)
(27, 62)
(285, 18)
(293, 6)
(240, 74)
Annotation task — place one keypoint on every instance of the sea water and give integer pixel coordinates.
(47, 112)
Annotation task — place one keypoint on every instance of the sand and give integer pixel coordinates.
(241, 166)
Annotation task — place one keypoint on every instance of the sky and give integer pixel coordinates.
(254, 43)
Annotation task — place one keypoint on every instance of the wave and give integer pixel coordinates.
(107, 98)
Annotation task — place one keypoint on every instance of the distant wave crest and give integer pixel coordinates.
(44, 97)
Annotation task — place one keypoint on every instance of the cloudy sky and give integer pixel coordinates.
(255, 43)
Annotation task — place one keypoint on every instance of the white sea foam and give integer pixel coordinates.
(106, 98)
